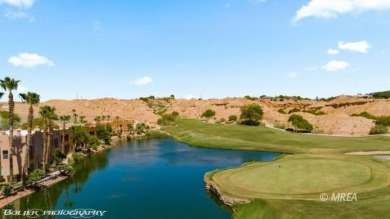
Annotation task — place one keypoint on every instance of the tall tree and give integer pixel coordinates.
(1, 95)
(48, 115)
(82, 119)
(251, 114)
(10, 84)
(74, 116)
(51, 116)
(64, 119)
(31, 99)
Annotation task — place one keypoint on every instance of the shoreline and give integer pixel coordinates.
(23, 193)
(228, 200)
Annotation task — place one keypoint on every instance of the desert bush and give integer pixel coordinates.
(282, 111)
(383, 120)
(378, 129)
(295, 110)
(300, 123)
(232, 118)
(208, 113)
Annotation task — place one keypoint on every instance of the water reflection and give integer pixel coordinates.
(145, 179)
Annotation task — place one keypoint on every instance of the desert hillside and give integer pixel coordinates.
(334, 117)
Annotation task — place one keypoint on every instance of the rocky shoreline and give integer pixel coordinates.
(225, 198)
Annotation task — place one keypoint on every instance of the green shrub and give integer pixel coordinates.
(251, 114)
(35, 176)
(175, 114)
(250, 98)
(77, 157)
(382, 95)
(208, 113)
(58, 156)
(6, 189)
(300, 123)
(314, 112)
(383, 120)
(380, 120)
(167, 119)
(295, 110)
(66, 169)
(365, 115)
(282, 111)
(156, 135)
(378, 129)
(232, 118)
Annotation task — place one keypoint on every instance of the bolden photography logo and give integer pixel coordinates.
(339, 197)
(37, 213)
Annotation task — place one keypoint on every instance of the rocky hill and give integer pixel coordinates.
(328, 117)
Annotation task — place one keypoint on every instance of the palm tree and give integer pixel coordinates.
(74, 116)
(48, 114)
(10, 84)
(1, 95)
(97, 119)
(51, 116)
(117, 123)
(82, 119)
(32, 99)
(64, 119)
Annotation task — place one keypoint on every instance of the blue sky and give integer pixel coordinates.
(201, 48)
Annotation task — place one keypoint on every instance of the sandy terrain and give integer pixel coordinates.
(337, 119)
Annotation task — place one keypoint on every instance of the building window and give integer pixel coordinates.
(5, 155)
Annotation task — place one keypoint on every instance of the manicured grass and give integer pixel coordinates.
(202, 134)
(303, 177)
(293, 190)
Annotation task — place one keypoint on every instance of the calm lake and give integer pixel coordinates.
(143, 180)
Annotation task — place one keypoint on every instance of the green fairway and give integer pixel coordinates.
(204, 134)
(303, 177)
(291, 187)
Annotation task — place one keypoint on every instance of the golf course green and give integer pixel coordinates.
(293, 186)
(303, 177)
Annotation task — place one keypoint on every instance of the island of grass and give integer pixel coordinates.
(291, 186)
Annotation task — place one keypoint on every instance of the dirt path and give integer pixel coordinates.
(369, 153)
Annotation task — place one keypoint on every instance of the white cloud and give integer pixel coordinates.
(22, 89)
(332, 51)
(18, 3)
(292, 74)
(11, 14)
(335, 65)
(361, 46)
(30, 60)
(143, 81)
(333, 8)
(311, 68)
